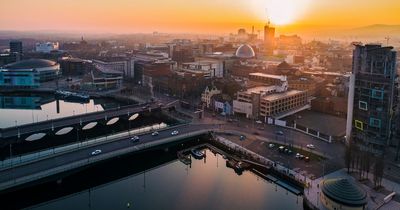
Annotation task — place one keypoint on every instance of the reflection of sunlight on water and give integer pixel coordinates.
(203, 185)
(48, 111)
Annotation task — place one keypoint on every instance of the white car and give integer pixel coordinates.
(299, 156)
(96, 152)
(155, 133)
(174, 133)
(310, 146)
(271, 146)
(135, 139)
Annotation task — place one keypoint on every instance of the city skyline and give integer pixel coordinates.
(175, 16)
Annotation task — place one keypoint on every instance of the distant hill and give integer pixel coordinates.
(377, 30)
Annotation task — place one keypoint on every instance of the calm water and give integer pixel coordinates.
(206, 185)
(23, 109)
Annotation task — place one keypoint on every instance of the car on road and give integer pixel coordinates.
(174, 133)
(96, 152)
(299, 156)
(310, 146)
(307, 159)
(279, 133)
(155, 133)
(281, 149)
(271, 146)
(135, 139)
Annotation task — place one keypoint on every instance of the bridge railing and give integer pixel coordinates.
(91, 159)
(82, 115)
(27, 158)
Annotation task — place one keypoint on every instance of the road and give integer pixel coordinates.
(85, 153)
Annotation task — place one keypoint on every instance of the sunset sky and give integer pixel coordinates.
(197, 16)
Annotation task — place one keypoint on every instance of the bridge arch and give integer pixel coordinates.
(133, 117)
(64, 131)
(112, 121)
(35, 137)
(89, 126)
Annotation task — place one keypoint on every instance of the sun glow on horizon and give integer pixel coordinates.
(281, 12)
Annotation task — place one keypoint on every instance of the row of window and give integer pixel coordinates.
(373, 122)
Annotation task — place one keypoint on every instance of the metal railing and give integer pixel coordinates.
(29, 158)
(92, 159)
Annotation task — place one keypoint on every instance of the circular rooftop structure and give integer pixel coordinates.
(344, 192)
(31, 64)
(245, 51)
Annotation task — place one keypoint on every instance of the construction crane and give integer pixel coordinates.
(387, 40)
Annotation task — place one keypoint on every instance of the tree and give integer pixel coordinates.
(378, 171)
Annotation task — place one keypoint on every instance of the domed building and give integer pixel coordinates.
(245, 51)
(343, 194)
(28, 73)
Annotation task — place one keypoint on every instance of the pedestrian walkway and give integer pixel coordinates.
(375, 199)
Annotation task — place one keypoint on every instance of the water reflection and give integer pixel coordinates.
(206, 184)
(23, 109)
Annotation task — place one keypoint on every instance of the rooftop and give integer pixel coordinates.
(260, 89)
(273, 76)
(276, 96)
(31, 64)
(106, 70)
(344, 191)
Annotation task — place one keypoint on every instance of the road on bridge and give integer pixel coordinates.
(85, 153)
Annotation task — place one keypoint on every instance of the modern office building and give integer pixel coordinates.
(269, 38)
(124, 65)
(210, 68)
(73, 66)
(7, 58)
(46, 47)
(272, 100)
(15, 46)
(28, 73)
(372, 100)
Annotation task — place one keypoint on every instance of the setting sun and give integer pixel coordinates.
(281, 12)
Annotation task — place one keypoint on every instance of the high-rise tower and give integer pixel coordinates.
(269, 38)
(16, 46)
(373, 98)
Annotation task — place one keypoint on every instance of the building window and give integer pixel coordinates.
(377, 94)
(375, 122)
(362, 105)
(359, 125)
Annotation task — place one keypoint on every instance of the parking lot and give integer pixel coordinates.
(316, 167)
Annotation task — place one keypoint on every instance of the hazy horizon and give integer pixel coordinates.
(193, 17)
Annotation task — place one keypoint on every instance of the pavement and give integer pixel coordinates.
(324, 123)
(374, 198)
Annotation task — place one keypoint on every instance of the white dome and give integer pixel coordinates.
(245, 51)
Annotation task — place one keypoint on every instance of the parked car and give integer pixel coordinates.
(155, 133)
(310, 146)
(174, 133)
(271, 146)
(307, 159)
(279, 133)
(135, 139)
(96, 152)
